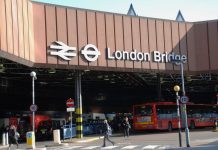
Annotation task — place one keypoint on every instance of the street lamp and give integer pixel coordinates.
(180, 62)
(33, 75)
(177, 89)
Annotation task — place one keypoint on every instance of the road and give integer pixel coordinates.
(199, 140)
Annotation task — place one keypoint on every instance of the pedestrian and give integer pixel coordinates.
(107, 131)
(126, 127)
(13, 136)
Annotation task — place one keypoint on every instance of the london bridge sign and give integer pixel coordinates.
(90, 52)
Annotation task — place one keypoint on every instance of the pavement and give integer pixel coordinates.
(42, 145)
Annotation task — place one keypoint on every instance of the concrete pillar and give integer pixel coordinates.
(3, 139)
(57, 136)
(6, 138)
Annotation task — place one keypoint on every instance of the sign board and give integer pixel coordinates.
(70, 109)
(91, 53)
(70, 102)
(184, 99)
(33, 108)
(65, 50)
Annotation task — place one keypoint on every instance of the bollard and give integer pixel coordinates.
(30, 138)
(56, 136)
(6, 138)
(3, 139)
(216, 126)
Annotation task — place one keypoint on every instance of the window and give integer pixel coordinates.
(144, 110)
(166, 111)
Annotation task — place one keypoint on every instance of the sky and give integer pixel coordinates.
(192, 10)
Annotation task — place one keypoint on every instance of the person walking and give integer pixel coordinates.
(126, 127)
(107, 131)
(13, 136)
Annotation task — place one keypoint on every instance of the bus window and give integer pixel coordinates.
(194, 111)
(166, 111)
(144, 110)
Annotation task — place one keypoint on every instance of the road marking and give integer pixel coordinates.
(72, 147)
(90, 140)
(163, 147)
(150, 147)
(130, 147)
(109, 147)
(90, 147)
(147, 147)
(122, 143)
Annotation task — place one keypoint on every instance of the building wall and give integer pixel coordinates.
(77, 27)
(16, 29)
(30, 28)
(206, 41)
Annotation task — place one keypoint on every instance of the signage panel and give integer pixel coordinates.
(184, 99)
(91, 53)
(70, 109)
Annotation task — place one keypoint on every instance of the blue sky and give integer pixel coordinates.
(192, 10)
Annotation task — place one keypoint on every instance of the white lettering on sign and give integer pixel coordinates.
(165, 57)
(125, 55)
(140, 56)
(90, 52)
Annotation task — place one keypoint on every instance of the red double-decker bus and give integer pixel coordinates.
(163, 116)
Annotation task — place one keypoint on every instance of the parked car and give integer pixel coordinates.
(25, 124)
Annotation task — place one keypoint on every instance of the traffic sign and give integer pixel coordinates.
(33, 108)
(184, 99)
(70, 102)
(70, 109)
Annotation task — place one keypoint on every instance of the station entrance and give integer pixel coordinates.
(102, 91)
(106, 62)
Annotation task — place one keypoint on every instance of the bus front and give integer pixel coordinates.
(143, 117)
